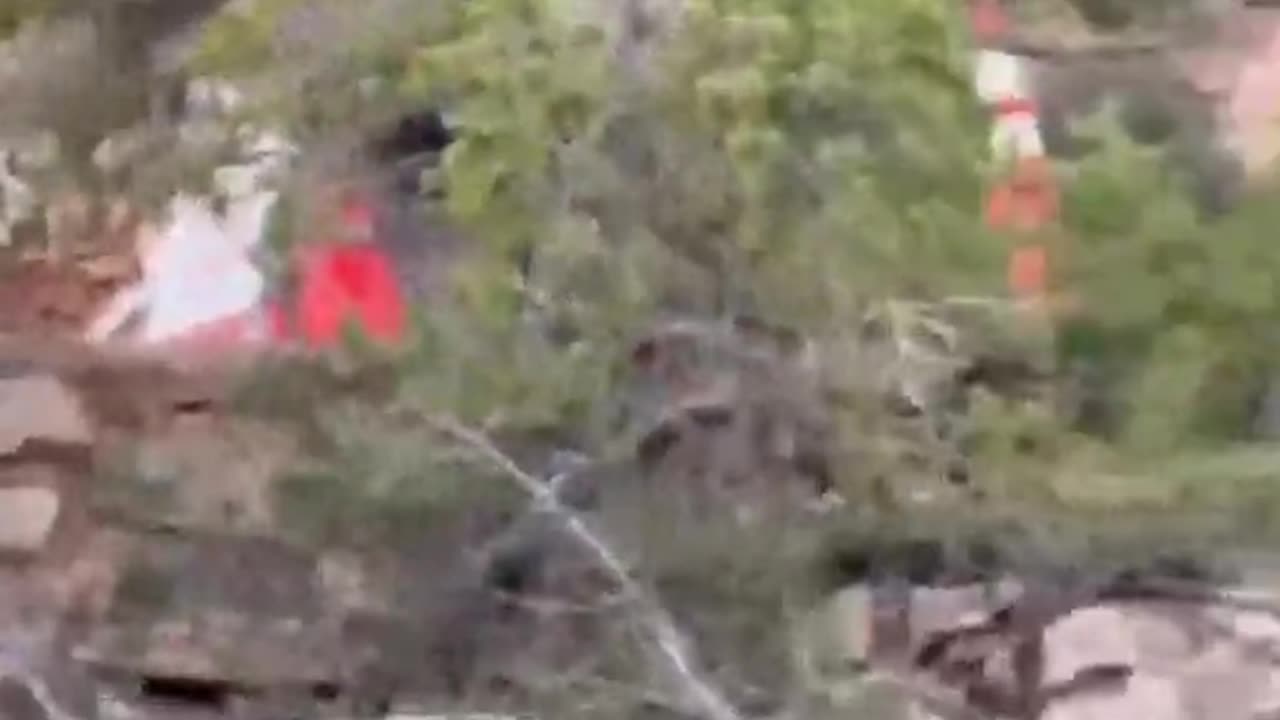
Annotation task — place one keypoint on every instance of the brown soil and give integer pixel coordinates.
(44, 292)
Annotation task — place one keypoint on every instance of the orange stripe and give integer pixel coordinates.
(1016, 106)
(989, 20)
(1027, 200)
(1029, 271)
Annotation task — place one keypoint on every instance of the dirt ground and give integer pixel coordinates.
(165, 582)
(54, 280)
(148, 424)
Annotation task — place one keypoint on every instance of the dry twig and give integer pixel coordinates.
(708, 700)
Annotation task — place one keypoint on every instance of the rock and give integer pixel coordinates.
(847, 624)
(27, 516)
(205, 473)
(1166, 635)
(1149, 697)
(1187, 662)
(348, 584)
(848, 616)
(17, 702)
(1150, 658)
(943, 609)
(40, 408)
(1090, 637)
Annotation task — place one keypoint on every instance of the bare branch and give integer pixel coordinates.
(670, 641)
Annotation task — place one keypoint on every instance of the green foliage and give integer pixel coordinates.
(773, 159)
(13, 13)
(807, 162)
(1183, 301)
(777, 159)
(774, 150)
(239, 41)
(818, 164)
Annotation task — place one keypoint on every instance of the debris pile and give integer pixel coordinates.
(1162, 650)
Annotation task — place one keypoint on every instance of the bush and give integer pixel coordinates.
(816, 166)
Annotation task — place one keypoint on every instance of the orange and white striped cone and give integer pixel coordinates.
(1022, 205)
(1027, 200)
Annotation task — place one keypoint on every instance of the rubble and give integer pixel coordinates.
(1157, 658)
(171, 610)
(236, 614)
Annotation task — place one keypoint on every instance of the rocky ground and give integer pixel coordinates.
(144, 573)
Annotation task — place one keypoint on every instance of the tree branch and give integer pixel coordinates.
(708, 700)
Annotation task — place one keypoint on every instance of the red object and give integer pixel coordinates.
(348, 283)
(1016, 106)
(1020, 208)
(990, 21)
(1029, 271)
(1027, 201)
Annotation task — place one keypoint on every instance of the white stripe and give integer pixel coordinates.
(1017, 134)
(999, 75)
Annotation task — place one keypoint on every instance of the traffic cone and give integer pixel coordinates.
(1026, 201)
